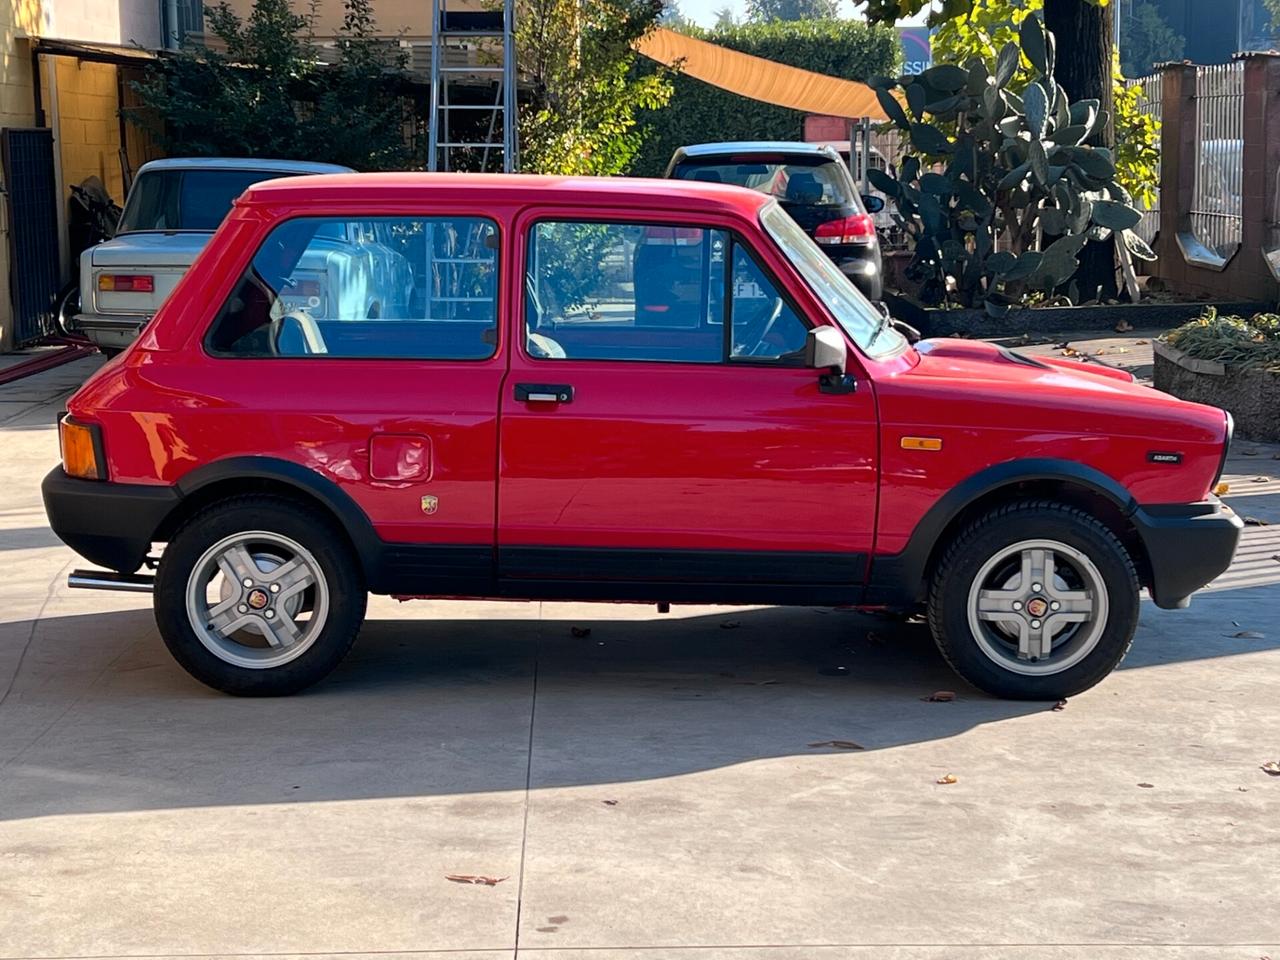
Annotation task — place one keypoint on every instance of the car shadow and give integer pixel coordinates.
(100, 719)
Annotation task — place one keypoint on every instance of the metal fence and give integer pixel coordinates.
(1149, 105)
(1217, 203)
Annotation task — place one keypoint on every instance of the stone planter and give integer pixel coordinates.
(934, 322)
(1251, 396)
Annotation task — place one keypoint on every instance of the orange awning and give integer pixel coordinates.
(760, 79)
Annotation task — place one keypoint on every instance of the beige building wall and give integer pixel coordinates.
(17, 18)
(82, 107)
(408, 18)
(88, 134)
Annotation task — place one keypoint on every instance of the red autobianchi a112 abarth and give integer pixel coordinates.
(616, 390)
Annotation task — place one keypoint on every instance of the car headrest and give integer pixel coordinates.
(803, 188)
(708, 176)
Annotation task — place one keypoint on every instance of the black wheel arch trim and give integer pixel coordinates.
(897, 580)
(353, 520)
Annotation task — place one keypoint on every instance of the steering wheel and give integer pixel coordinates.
(756, 330)
(299, 334)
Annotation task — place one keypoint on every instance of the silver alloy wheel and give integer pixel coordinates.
(248, 602)
(1038, 607)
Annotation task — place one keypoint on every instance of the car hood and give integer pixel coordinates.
(1094, 396)
(150, 250)
(983, 361)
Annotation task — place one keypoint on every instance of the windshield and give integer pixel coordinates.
(852, 310)
(186, 199)
(819, 184)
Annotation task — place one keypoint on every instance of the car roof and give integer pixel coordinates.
(799, 148)
(504, 189)
(243, 163)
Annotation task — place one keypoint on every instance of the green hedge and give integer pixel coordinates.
(699, 112)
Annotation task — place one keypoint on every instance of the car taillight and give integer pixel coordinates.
(859, 228)
(81, 445)
(127, 282)
(673, 236)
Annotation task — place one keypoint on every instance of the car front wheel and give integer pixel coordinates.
(259, 596)
(1034, 601)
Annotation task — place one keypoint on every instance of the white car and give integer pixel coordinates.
(172, 210)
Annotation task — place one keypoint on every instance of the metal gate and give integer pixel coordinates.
(32, 199)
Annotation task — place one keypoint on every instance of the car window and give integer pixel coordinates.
(765, 325)
(186, 199)
(330, 287)
(854, 312)
(823, 183)
(651, 292)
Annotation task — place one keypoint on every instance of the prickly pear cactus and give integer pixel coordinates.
(1000, 191)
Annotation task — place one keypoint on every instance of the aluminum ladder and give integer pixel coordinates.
(462, 44)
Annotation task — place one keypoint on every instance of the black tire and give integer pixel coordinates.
(963, 560)
(307, 527)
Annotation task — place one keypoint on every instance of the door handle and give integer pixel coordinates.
(544, 392)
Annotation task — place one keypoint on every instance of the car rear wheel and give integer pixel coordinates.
(259, 596)
(1034, 601)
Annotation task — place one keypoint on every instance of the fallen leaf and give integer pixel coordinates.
(1260, 480)
(1255, 522)
(1148, 786)
(1140, 341)
(610, 803)
(1060, 706)
(1248, 635)
(469, 878)
(1249, 453)
(730, 624)
(1272, 767)
(939, 696)
(580, 631)
(1276, 557)
(949, 778)
(839, 744)
(1124, 326)
(1276, 455)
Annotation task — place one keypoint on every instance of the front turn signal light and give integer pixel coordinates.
(81, 450)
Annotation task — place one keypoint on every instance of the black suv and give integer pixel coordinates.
(812, 184)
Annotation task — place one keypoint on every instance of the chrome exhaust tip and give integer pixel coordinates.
(110, 580)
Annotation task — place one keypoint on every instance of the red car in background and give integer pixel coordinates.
(540, 420)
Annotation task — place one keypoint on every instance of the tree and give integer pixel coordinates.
(765, 11)
(1147, 39)
(579, 116)
(725, 17)
(269, 96)
(673, 17)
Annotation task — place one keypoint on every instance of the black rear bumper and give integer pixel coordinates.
(1187, 545)
(109, 524)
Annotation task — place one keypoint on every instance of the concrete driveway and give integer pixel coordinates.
(648, 789)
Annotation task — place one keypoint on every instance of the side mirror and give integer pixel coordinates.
(825, 350)
(873, 203)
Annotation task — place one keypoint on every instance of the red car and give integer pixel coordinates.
(541, 420)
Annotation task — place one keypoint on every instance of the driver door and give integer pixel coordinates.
(658, 422)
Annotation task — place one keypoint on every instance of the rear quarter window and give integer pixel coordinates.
(379, 287)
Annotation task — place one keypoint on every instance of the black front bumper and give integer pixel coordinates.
(1187, 545)
(109, 524)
